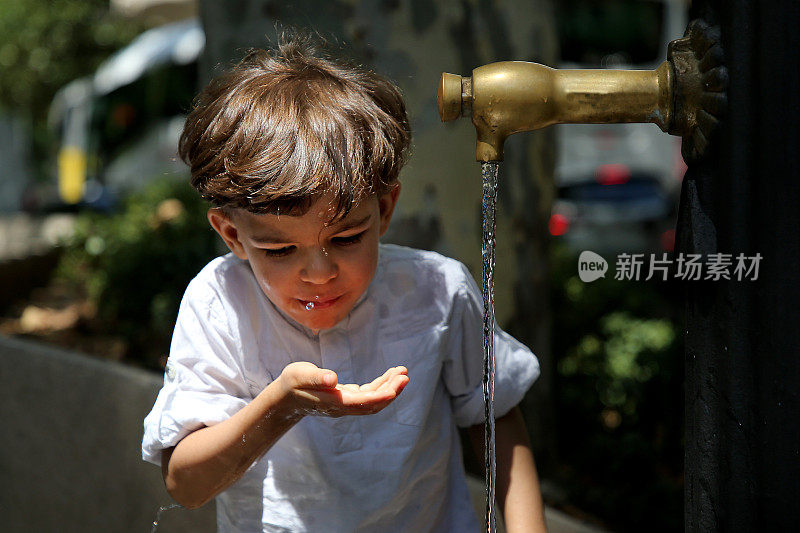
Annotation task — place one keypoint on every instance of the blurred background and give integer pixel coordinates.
(100, 232)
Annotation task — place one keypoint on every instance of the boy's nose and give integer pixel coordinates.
(319, 267)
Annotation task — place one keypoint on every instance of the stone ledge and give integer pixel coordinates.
(71, 443)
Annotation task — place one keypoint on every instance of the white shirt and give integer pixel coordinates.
(397, 470)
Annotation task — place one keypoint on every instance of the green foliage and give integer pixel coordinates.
(45, 44)
(619, 397)
(135, 265)
(622, 356)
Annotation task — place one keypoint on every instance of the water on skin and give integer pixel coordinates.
(310, 305)
(161, 510)
(489, 203)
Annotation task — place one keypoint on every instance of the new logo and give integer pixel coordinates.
(591, 266)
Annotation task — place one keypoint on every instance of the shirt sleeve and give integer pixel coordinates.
(516, 367)
(203, 382)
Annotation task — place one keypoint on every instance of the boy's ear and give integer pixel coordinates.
(386, 203)
(225, 226)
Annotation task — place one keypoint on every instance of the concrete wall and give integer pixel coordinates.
(70, 456)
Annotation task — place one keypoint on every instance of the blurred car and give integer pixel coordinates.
(119, 127)
(617, 185)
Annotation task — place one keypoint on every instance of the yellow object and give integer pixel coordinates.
(71, 174)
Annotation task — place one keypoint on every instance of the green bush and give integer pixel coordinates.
(619, 397)
(135, 265)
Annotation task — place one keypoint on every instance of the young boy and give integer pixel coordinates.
(261, 405)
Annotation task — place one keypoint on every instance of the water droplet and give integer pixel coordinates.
(161, 510)
(309, 306)
(324, 251)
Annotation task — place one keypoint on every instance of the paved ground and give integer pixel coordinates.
(557, 521)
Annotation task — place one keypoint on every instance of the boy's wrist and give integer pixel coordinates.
(286, 403)
(278, 403)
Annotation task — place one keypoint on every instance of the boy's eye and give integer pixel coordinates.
(278, 252)
(351, 239)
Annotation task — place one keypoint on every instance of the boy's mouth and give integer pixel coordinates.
(319, 303)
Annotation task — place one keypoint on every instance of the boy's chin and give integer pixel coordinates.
(319, 319)
(317, 323)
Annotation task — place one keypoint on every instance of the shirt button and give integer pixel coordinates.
(170, 372)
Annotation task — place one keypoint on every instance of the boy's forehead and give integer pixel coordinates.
(267, 227)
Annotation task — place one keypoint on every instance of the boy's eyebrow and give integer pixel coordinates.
(353, 223)
(274, 236)
(269, 238)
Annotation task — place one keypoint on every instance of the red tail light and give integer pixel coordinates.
(558, 225)
(613, 174)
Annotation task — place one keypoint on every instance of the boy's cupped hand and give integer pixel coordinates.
(317, 391)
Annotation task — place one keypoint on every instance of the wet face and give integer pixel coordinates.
(313, 269)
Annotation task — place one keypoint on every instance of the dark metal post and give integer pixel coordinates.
(743, 337)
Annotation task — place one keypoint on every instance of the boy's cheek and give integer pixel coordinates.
(267, 287)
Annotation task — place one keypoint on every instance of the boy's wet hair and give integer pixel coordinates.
(284, 127)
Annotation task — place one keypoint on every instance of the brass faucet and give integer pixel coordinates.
(514, 96)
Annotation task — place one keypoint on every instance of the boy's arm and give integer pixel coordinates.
(210, 459)
(518, 493)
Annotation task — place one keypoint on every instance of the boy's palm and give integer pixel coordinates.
(315, 390)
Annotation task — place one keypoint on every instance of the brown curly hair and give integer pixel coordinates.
(285, 126)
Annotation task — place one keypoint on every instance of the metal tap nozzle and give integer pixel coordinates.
(684, 96)
(514, 96)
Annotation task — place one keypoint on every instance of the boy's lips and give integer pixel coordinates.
(320, 302)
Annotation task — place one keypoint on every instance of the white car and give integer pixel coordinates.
(617, 184)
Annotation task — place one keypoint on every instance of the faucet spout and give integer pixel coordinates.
(686, 95)
(515, 96)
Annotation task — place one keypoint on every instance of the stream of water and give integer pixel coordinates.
(489, 204)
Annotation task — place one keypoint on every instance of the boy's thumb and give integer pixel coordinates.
(328, 378)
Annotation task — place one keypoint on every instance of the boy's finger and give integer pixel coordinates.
(395, 385)
(377, 382)
(401, 384)
(308, 375)
(385, 378)
(324, 379)
(365, 399)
